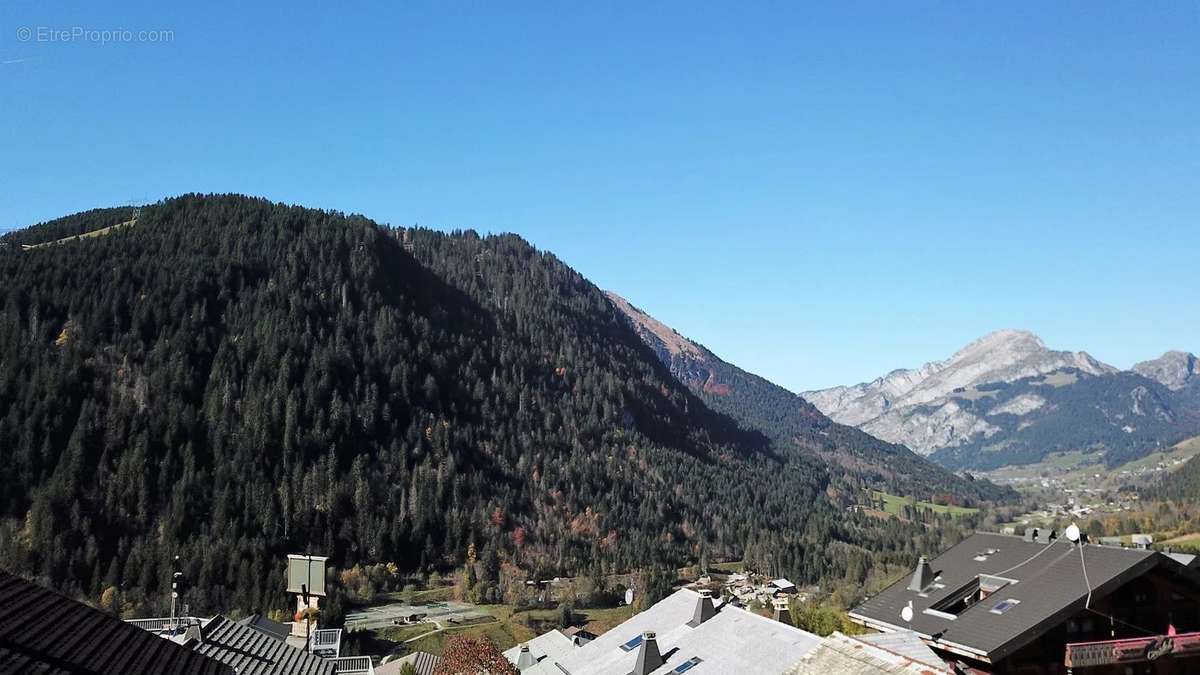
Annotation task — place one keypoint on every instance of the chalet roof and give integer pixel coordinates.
(905, 643)
(45, 633)
(732, 641)
(846, 655)
(252, 652)
(1036, 586)
(266, 626)
(550, 647)
(424, 663)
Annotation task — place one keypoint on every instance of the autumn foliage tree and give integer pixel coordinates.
(473, 655)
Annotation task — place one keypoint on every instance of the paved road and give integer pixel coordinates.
(384, 616)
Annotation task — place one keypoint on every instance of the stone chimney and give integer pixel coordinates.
(783, 613)
(525, 660)
(704, 609)
(922, 577)
(649, 658)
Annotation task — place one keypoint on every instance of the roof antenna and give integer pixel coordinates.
(907, 612)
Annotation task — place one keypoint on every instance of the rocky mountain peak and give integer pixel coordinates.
(1174, 369)
(885, 406)
(1004, 340)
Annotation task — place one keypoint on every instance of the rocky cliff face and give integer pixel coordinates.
(924, 409)
(1174, 369)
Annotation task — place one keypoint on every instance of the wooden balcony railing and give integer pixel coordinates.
(1135, 650)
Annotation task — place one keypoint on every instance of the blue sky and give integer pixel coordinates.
(817, 194)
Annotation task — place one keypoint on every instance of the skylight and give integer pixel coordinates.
(687, 665)
(1005, 605)
(632, 644)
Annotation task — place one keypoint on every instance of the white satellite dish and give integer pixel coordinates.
(907, 612)
(629, 596)
(1072, 532)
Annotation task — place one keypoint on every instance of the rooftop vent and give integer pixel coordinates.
(922, 577)
(525, 660)
(704, 609)
(649, 658)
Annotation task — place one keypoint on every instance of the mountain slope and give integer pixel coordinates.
(231, 380)
(1123, 415)
(792, 421)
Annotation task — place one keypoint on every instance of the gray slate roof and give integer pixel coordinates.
(905, 643)
(732, 641)
(554, 646)
(843, 655)
(45, 633)
(424, 662)
(252, 652)
(266, 626)
(1049, 585)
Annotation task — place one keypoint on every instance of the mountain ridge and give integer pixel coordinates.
(1003, 355)
(1175, 368)
(976, 408)
(793, 421)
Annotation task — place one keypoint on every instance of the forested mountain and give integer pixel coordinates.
(1122, 416)
(1182, 486)
(793, 422)
(230, 380)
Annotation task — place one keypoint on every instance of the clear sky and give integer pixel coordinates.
(817, 194)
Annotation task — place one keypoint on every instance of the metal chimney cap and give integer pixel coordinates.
(649, 635)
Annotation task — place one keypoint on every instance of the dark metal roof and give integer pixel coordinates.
(45, 633)
(252, 652)
(424, 663)
(267, 626)
(1048, 583)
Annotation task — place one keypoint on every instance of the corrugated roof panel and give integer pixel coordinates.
(254, 653)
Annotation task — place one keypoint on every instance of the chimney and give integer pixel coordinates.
(525, 660)
(649, 659)
(193, 634)
(922, 577)
(704, 608)
(782, 613)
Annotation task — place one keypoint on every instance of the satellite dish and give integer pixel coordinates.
(629, 596)
(1073, 532)
(907, 613)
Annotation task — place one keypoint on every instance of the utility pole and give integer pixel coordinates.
(176, 583)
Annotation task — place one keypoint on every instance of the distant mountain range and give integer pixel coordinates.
(792, 421)
(1008, 399)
